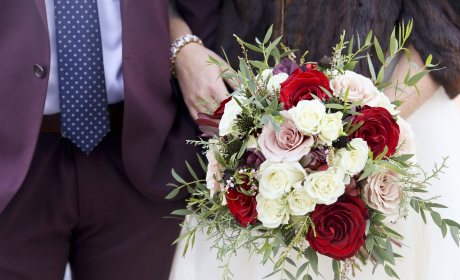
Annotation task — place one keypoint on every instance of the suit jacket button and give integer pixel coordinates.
(39, 71)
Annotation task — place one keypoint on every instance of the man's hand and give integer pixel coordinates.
(197, 81)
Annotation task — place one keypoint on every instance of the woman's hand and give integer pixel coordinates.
(201, 88)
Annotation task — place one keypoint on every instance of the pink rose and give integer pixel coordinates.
(381, 192)
(407, 136)
(287, 146)
(213, 169)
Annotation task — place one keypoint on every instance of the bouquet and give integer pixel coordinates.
(308, 158)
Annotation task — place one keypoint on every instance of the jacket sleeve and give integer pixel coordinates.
(436, 31)
(202, 16)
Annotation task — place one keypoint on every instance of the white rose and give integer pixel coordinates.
(300, 202)
(361, 88)
(325, 186)
(385, 103)
(331, 127)
(228, 120)
(307, 116)
(275, 82)
(353, 162)
(271, 212)
(276, 179)
(267, 73)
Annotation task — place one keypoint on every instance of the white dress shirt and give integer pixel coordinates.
(110, 21)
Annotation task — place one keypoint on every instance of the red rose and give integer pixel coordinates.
(301, 85)
(379, 129)
(340, 228)
(242, 206)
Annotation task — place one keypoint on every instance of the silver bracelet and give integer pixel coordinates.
(178, 44)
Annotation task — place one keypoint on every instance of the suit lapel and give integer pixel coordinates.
(42, 11)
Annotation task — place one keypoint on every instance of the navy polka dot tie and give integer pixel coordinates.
(82, 91)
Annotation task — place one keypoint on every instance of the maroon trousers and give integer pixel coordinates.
(82, 209)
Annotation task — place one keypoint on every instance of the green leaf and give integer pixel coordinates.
(403, 157)
(444, 229)
(273, 45)
(392, 42)
(173, 193)
(311, 255)
(177, 177)
(384, 255)
(452, 223)
(371, 67)
(422, 213)
(201, 186)
(379, 50)
(381, 74)
(389, 249)
(428, 60)
(203, 165)
(408, 55)
(291, 262)
(336, 266)
(190, 169)
(455, 232)
(369, 38)
(435, 205)
(334, 106)
(289, 274)
(355, 127)
(268, 35)
(326, 91)
(393, 273)
(284, 54)
(301, 270)
(182, 212)
(252, 47)
(393, 233)
(271, 274)
(383, 85)
(307, 277)
(350, 46)
(350, 65)
(181, 237)
(369, 242)
(367, 172)
(416, 78)
(258, 64)
(436, 218)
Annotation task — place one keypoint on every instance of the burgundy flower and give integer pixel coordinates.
(253, 158)
(242, 206)
(286, 65)
(301, 86)
(340, 228)
(209, 123)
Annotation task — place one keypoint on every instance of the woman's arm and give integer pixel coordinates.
(427, 85)
(196, 81)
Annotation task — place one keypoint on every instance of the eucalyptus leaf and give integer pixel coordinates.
(173, 193)
(268, 35)
(177, 177)
(301, 269)
(258, 64)
(291, 277)
(311, 255)
(379, 50)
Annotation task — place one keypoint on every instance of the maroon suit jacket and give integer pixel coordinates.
(156, 125)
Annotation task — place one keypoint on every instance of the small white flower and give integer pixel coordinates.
(267, 73)
(300, 202)
(271, 212)
(353, 162)
(275, 82)
(228, 120)
(331, 127)
(325, 186)
(307, 116)
(276, 179)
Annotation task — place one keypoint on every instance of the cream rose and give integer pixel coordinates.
(228, 120)
(384, 102)
(353, 162)
(361, 88)
(288, 145)
(331, 127)
(271, 212)
(276, 179)
(325, 186)
(300, 202)
(406, 136)
(213, 169)
(267, 73)
(307, 116)
(275, 82)
(381, 192)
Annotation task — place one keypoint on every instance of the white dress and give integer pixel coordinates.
(437, 134)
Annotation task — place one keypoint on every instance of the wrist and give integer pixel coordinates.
(181, 43)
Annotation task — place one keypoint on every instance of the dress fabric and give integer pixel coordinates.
(427, 256)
